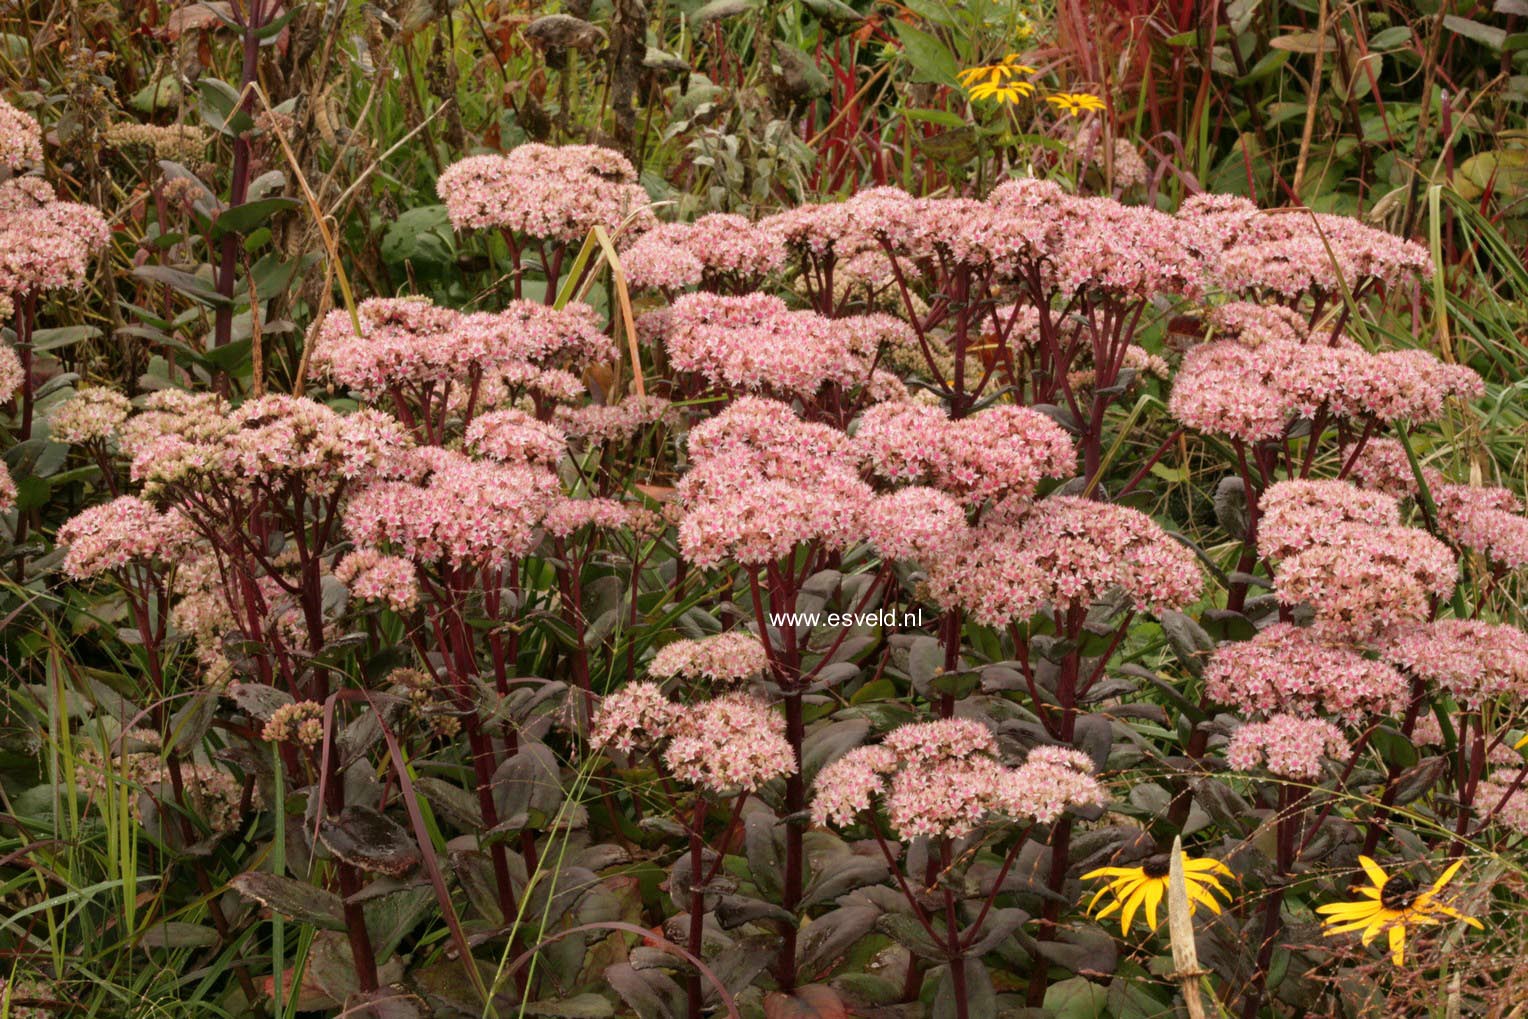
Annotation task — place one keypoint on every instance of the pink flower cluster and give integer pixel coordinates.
(1513, 802)
(1064, 551)
(301, 722)
(1287, 669)
(1252, 392)
(513, 436)
(616, 422)
(1299, 513)
(942, 779)
(764, 481)
(372, 576)
(1003, 452)
(756, 342)
(1342, 551)
(124, 531)
(195, 441)
(93, 414)
(725, 658)
(545, 191)
(1382, 465)
(914, 524)
(11, 373)
(20, 138)
(567, 516)
(8, 490)
(715, 249)
(462, 512)
(735, 741)
(638, 714)
(1291, 747)
(732, 742)
(45, 244)
(1296, 253)
(1488, 520)
(1472, 660)
(408, 341)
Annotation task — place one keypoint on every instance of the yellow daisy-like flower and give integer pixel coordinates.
(1004, 92)
(1075, 103)
(1133, 887)
(1391, 903)
(1004, 70)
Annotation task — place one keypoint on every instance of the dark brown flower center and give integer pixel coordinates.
(1157, 867)
(1398, 892)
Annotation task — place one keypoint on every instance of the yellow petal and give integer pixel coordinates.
(1398, 944)
(1197, 894)
(1377, 923)
(1375, 872)
(1153, 900)
(1348, 926)
(1132, 904)
(1111, 872)
(1448, 874)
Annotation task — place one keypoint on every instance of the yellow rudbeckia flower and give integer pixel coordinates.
(1390, 904)
(1146, 885)
(1004, 92)
(1075, 103)
(1000, 81)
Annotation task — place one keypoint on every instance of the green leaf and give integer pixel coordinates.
(241, 218)
(931, 59)
(1077, 998)
(1487, 35)
(218, 103)
(62, 336)
(184, 283)
(294, 900)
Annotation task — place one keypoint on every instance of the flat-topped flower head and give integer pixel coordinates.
(613, 422)
(769, 434)
(913, 524)
(755, 342)
(513, 436)
(1296, 253)
(372, 576)
(463, 511)
(1287, 669)
(407, 342)
(763, 482)
(1383, 466)
(1287, 746)
(733, 742)
(545, 191)
(93, 414)
(725, 658)
(11, 372)
(1489, 521)
(121, 532)
(1065, 551)
(1474, 661)
(636, 715)
(567, 516)
(942, 779)
(49, 247)
(1299, 513)
(300, 722)
(720, 249)
(20, 138)
(1000, 452)
(1364, 580)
